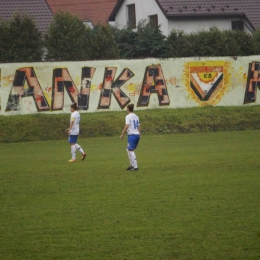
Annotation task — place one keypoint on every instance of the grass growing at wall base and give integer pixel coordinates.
(38, 127)
(195, 196)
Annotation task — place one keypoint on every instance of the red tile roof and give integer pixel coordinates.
(38, 9)
(87, 10)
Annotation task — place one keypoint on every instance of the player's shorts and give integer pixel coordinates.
(73, 139)
(133, 141)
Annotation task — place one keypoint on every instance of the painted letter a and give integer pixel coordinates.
(153, 82)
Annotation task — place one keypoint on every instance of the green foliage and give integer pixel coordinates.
(4, 35)
(20, 40)
(103, 44)
(212, 43)
(125, 39)
(180, 44)
(245, 43)
(256, 40)
(230, 46)
(67, 38)
(146, 41)
(154, 121)
(149, 41)
(208, 43)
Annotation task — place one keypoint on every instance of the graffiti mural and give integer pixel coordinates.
(153, 82)
(253, 82)
(63, 81)
(25, 84)
(50, 87)
(111, 86)
(207, 81)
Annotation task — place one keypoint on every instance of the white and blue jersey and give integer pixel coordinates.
(74, 132)
(132, 120)
(75, 116)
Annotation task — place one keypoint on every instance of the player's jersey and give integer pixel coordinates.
(133, 121)
(75, 116)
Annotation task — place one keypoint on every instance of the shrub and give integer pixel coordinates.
(149, 41)
(20, 40)
(103, 44)
(67, 38)
(180, 44)
(125, 39)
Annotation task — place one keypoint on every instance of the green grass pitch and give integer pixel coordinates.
(195, 196)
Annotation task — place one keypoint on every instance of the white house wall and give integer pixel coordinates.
(247, 27)
(146, 8)
(143, 8)
(194, 25)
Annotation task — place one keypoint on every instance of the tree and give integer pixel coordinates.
(245, 42)
(180, 44)
(231, 46)
(149, 41)
(213, 43)
(256, 41)
(103, 44)
(67, 38)
(3, 41)
(209, 43)
(20, 40)
(125, 39)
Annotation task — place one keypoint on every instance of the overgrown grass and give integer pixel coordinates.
(39, 127)
(195, 196)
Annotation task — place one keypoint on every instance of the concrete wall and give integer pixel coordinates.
(51, 87)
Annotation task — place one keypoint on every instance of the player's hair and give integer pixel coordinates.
(74, 105)
(130, 107)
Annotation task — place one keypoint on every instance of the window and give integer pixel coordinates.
(153, 20)
(88, 24)
(237, 25)
(131, 16)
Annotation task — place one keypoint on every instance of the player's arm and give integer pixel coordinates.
(71, 125)
(124, 130)
(139, 130)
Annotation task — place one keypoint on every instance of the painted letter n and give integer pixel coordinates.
(62, 80)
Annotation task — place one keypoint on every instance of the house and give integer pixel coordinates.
(89, 11)
(188, 15)
(38, 9)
